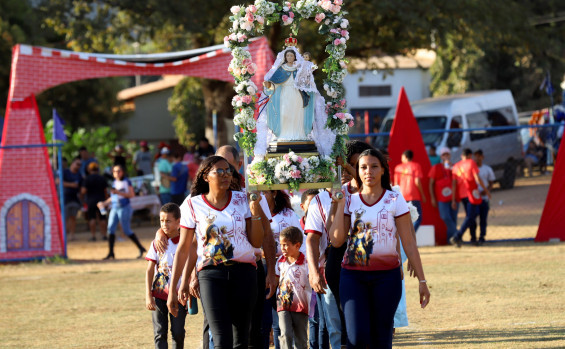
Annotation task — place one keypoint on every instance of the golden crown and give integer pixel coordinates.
(290, 41)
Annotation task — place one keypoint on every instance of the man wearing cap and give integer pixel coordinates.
(164, 169)
(142, 160)
(441, 191)
(94, 188)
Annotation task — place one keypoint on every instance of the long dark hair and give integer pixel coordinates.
(385, 179)
(200, 186)
(291, 51)
(282, 201)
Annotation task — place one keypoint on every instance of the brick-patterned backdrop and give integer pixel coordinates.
(25, 173)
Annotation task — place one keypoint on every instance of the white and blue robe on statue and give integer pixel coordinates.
(290, 112)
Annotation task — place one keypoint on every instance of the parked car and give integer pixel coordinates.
(502, 148)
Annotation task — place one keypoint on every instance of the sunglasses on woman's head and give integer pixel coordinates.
(221, 172)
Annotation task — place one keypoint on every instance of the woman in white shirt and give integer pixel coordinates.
(219, 233)
(370, 283)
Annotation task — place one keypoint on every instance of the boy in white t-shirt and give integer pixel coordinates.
(294, 291)
(157, 281)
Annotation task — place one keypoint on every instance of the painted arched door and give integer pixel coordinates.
(25, 227)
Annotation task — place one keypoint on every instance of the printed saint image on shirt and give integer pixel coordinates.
(161, 280)
(217, 247)
(360, 244)
(286, 294)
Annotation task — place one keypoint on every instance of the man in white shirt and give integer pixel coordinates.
(487, 176)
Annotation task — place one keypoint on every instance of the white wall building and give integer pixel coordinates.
(374, 88)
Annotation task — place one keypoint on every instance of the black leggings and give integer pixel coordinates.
(228, 296)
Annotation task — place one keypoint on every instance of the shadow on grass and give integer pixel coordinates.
(482, 337)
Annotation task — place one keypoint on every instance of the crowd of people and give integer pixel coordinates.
(333, 278)
(104, 197)
(468, 182)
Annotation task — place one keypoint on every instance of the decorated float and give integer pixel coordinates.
(293, 133)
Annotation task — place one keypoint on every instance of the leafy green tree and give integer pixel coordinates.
(187, 105)
(100, 141)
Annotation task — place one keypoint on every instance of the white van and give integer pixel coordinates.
(502, 149)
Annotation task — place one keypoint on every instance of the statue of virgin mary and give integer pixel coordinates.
(292, 96)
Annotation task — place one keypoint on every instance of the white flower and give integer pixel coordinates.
(344, 23)
(252, 90)
(327, 22)
(235, 9)
(285, 9)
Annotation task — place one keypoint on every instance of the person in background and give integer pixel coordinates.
(142, 160)
(205, 149)
(467, 172)
(157, 282)
(441, 191)
(86, 158)
(535, 155)
(119, 156)
(487, 176)
(179, 179)
(72, 180)
(94, 189)
(434, 158)
(121, 211)
(408, 176)
(164, 168)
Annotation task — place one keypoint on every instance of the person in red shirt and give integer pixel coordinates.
(408, 176)
(468, 173)
(441, 191)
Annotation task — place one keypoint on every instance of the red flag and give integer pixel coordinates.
(405, 134)
(551, 222)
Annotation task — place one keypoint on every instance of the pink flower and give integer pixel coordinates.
(252, 8)
(337, 42)
(299, 159)
(259, 19)
(243, 71)
(291, 14)
(237, 71)
(249, 17)
(246, 99)
(344, 33)
(235, 9)
(338, 2)
(246, 61)
(252, 68)
(285, 18)
(342, 102)
(335, 9)
(351, 123)
(295, 174)
(319, 17)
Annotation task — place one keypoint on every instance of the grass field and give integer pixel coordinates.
(501, 295)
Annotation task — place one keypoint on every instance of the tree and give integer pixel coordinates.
(187, 105)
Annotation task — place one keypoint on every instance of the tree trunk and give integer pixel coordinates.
(218, 96)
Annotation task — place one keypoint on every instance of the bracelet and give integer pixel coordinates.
(255, 218)
(423, 281)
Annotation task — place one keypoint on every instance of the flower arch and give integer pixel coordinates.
(250, 21)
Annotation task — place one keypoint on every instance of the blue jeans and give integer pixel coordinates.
(449, 217)
(484, 207)
(318, 333)
(472, 213)
(122, 215)
(329, 310)
(418, 206)
(369, 300)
